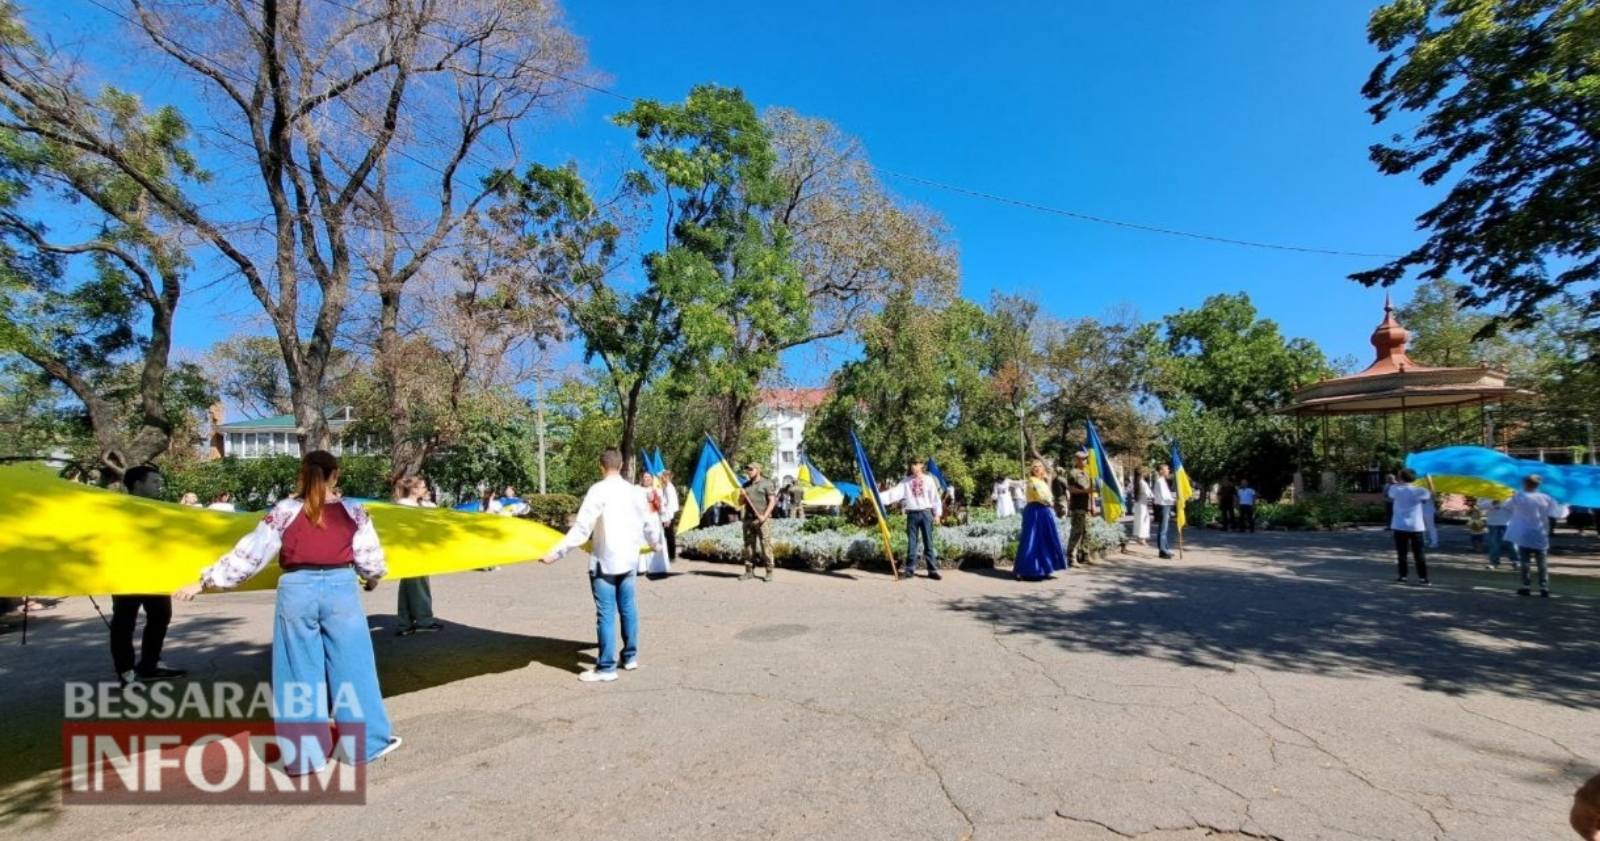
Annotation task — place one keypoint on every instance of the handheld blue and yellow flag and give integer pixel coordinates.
(935, 472)
(661, 463)
(714, 482)
(1103, 477)
(869, 483)
(1183, 488)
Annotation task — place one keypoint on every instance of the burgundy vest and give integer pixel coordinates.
(306, 545)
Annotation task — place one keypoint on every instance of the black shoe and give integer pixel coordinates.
(1524, 592)
(430, 628)
(1165, 556)
(1544, 594)
(1422, 581)
(935, 575)
(908, 574)
(160, 671)
(1402, 580)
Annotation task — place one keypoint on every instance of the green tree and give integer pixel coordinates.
(1503, 97)
(1220, 372)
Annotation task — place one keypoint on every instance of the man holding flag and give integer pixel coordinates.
(1080, 503)
(1185, 492)
(924, 505)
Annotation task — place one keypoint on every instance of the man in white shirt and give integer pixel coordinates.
(924, 505)
(1162, 497)
(621, 523)
(1409, 523)
(669, 514)
(1247, 506)
(1531, 513)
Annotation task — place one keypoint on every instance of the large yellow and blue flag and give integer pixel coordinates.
(819, 489)
(869, 483)
(714, 482)
(1183, 487)
(1103, 477)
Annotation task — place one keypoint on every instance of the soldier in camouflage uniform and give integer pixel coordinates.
(759, 498)
(1080, 501)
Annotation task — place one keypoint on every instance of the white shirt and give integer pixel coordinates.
(669, 503)
(1530, 519)
(1408, 500)
(222, 506)
(1495, 512)
(1161, 492)
(1247, 496)
(919, 493)
(615, 513)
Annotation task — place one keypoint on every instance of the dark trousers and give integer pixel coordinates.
(1413, 540)
(124, 616)
(919, 524)
(1228, 521)
(1247, 518)
(670, 532)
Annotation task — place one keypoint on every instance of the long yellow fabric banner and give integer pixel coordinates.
(60, 538)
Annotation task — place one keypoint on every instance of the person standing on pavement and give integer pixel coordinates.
(1039, 553)
(144, 481)
(924, 505)
(414, 606)
(1409, 524)
(615, 518)
(757, 501)
(321, 647)
(1496, 516)
(1530, 510)
(670, 507)
(655, 563)
(1247, 506)
(1227, 498)
(1080, 499)
(1162, 496)
(1141, 506)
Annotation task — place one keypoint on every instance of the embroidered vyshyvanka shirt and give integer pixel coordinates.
(257, 549)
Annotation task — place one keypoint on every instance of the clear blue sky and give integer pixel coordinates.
(1239, 118)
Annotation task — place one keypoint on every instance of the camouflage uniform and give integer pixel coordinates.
(756, 541)
(1078, 489)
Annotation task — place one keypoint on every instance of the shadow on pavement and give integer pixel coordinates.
(32, 678)
(1328, 613)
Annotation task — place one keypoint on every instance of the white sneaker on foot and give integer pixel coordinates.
(394, 744)
(598, 677)
(631, 665)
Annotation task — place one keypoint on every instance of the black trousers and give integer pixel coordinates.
(1247, 518)
(124, 616)
(1413, 540)
(1228, 521)
(670, 532)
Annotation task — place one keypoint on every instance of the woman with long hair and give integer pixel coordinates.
(1039, 552)
(322, 663)
(657, 562)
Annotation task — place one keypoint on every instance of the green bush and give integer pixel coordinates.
(554, 510)
(258, 482)
(814, 525)
(1319, 511)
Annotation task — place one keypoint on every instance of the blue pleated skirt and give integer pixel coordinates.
(1039, 552)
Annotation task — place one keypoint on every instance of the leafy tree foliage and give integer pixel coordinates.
(1504, 98)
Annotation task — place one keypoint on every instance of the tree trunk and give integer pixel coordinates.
(630, 421)
(732, 426)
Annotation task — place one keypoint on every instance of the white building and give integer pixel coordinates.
(279, 436)
(785, 411)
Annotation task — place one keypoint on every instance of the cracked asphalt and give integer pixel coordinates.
(1268, 686)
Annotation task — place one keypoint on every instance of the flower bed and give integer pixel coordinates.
(802, 543)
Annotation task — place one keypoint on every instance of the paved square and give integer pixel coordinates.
(1267, 686)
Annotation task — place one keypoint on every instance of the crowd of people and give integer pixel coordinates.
(1518, 527)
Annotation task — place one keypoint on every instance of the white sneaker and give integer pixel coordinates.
(598, 677)
(394, 745)
(631, 665)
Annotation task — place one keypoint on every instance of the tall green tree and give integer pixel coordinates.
(83, 311)
(1502, 97)
(1220, 372)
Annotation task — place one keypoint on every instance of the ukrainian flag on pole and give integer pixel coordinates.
(1103, 477)
(1184, 488)
(714, 482)
(870, 483)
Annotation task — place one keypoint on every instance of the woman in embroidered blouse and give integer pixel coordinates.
(322, 662)
(1039, 552)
